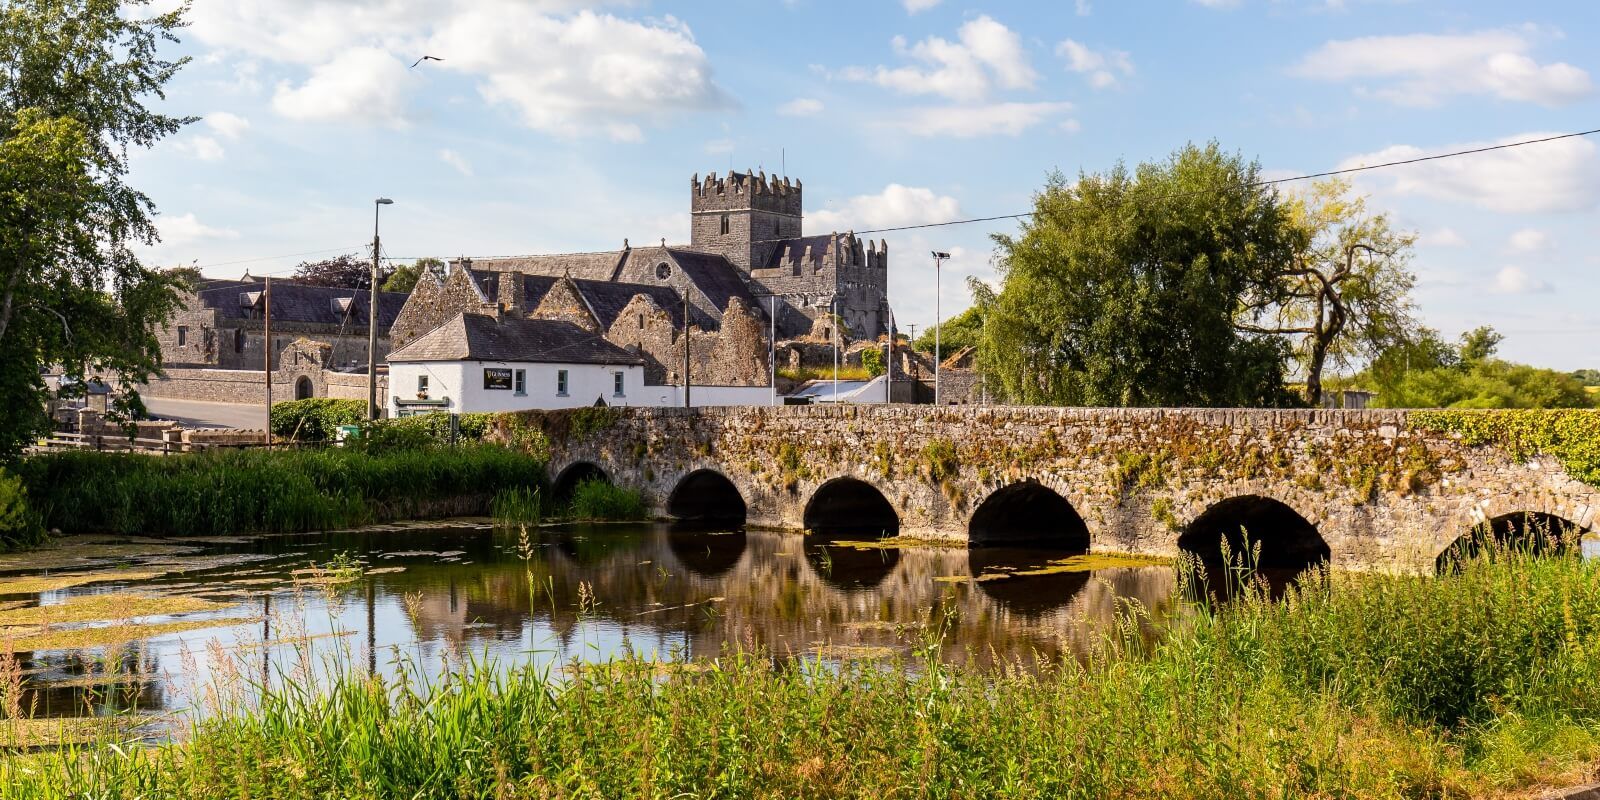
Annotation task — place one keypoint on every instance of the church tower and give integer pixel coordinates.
(742, 216)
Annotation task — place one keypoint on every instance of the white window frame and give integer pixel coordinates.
(563, 383)
(619, 384)
(519, 383)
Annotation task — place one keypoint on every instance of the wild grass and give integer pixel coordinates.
(1481, 683)
(824, 373)
(224, 492)
(601, 500)
(518, 505)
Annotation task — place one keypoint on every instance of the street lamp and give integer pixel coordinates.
(938, 316)
(372, 316)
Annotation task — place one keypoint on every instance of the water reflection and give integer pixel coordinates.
(588, 592)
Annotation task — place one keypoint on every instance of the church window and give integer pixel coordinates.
(724, 224)
(183, 335)
(664, 270)
(641, 322)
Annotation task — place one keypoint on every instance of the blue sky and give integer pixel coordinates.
(558, 125)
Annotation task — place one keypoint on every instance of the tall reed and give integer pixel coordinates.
(1480, 683)
(220, 492)
(600, 500)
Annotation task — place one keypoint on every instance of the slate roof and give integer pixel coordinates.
(715, 276)
(479, 337)
(605, 298)
(298, 302)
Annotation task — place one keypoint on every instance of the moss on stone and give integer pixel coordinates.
(1570, 435)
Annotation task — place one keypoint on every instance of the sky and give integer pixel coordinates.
(566, 126)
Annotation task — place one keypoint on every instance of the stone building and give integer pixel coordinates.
(746, 242)
(215, 347)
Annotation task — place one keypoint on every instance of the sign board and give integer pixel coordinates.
(497, 379)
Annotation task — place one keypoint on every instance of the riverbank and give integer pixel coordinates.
(1484, 683)
(269, 491)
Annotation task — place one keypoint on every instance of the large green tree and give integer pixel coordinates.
(76, 77)
(1427, 372)
(1345, 295)
(1122, 289)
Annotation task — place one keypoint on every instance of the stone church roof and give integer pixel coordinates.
(714, 276)
(605, 298)
(298, 302)
(479, 337)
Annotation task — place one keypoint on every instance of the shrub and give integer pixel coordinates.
(316, 419)
(19, 525)
(423, 430)
(599, 500)
(872, 362)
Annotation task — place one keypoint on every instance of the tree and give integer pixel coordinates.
(347, 271)
(1428, 373)
(1122, 289)
(77, 76)
(961, 330)
(1345, 293)
(1588, 377)
(404, 278)
(1479, 344)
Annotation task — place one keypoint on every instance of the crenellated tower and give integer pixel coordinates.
(743, 216)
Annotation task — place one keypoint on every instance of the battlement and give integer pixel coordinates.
(748, 190)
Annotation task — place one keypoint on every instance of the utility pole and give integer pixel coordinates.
(938, 317)
(686, 350)
(772, 346)
(372, 316)
(833, 305)
(266, 352)
(888, 375)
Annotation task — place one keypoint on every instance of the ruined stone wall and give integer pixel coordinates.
(645, 328)
(434, 302)
(247, 386)
(1382, 493)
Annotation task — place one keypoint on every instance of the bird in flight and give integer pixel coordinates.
(424, 58)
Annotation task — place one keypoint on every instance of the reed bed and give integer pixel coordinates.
(602, 500)
(1482, 683)
(225, 492)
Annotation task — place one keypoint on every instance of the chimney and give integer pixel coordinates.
(511, 295)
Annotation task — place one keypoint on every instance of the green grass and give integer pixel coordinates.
(224, 492)
(1484, 683)
(846, 373)
(518, 506)
(600, 500)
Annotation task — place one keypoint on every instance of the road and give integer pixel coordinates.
(199, 414)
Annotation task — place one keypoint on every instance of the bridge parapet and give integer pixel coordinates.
(1385, 489)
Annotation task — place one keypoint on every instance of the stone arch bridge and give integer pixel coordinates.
(1362, 489)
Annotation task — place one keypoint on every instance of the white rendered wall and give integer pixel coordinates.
(462, 383)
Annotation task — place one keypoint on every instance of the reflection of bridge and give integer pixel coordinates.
(1366, 489)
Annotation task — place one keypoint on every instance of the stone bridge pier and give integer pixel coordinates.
(1359, 489)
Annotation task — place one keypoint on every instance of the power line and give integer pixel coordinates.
(274, 258)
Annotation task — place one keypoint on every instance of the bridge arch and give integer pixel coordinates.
(567, 480)
(1028, 513)
(850, 507)
(1535, 532)
(1258, 535)
(708, 496)
(708, 554)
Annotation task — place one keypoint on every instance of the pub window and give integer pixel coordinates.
(724, 224)
(616, 383)
(520, 383)
(422, 385)
(561, 382)
(183, 335)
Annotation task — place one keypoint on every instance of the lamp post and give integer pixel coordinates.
(372, 316)
(938, 316)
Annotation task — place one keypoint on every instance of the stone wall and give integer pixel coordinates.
(246, 386)
(1382, 494)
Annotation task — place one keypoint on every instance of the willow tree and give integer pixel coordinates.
(1345, 295)
(1122, 289)
(75, 80)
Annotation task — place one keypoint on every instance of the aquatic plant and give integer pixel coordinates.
(1484, 682)
(223, 492)
(601, 500)
(518, 505)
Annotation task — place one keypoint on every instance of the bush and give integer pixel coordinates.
(426, 429)
(599, 500)
(316, 419)
(19, 525)
(223, 492)
(872, 362)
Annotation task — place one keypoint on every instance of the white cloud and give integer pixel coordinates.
(968, 122)
(1101, 68)
(1515, 280)
(1426, 69)
(186, 229)
(1528, 240)
(1217, 3)
(454, 159)
(894, 207)
(1554, 176)
(720, 147)
(363, 84)
(1084, 8)
(560, 66)
(204, 148)
(918, 6)
(986, 54)
(1443, 237)
(228, 126)
(801, 107)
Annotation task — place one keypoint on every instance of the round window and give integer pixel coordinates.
(663, 270)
